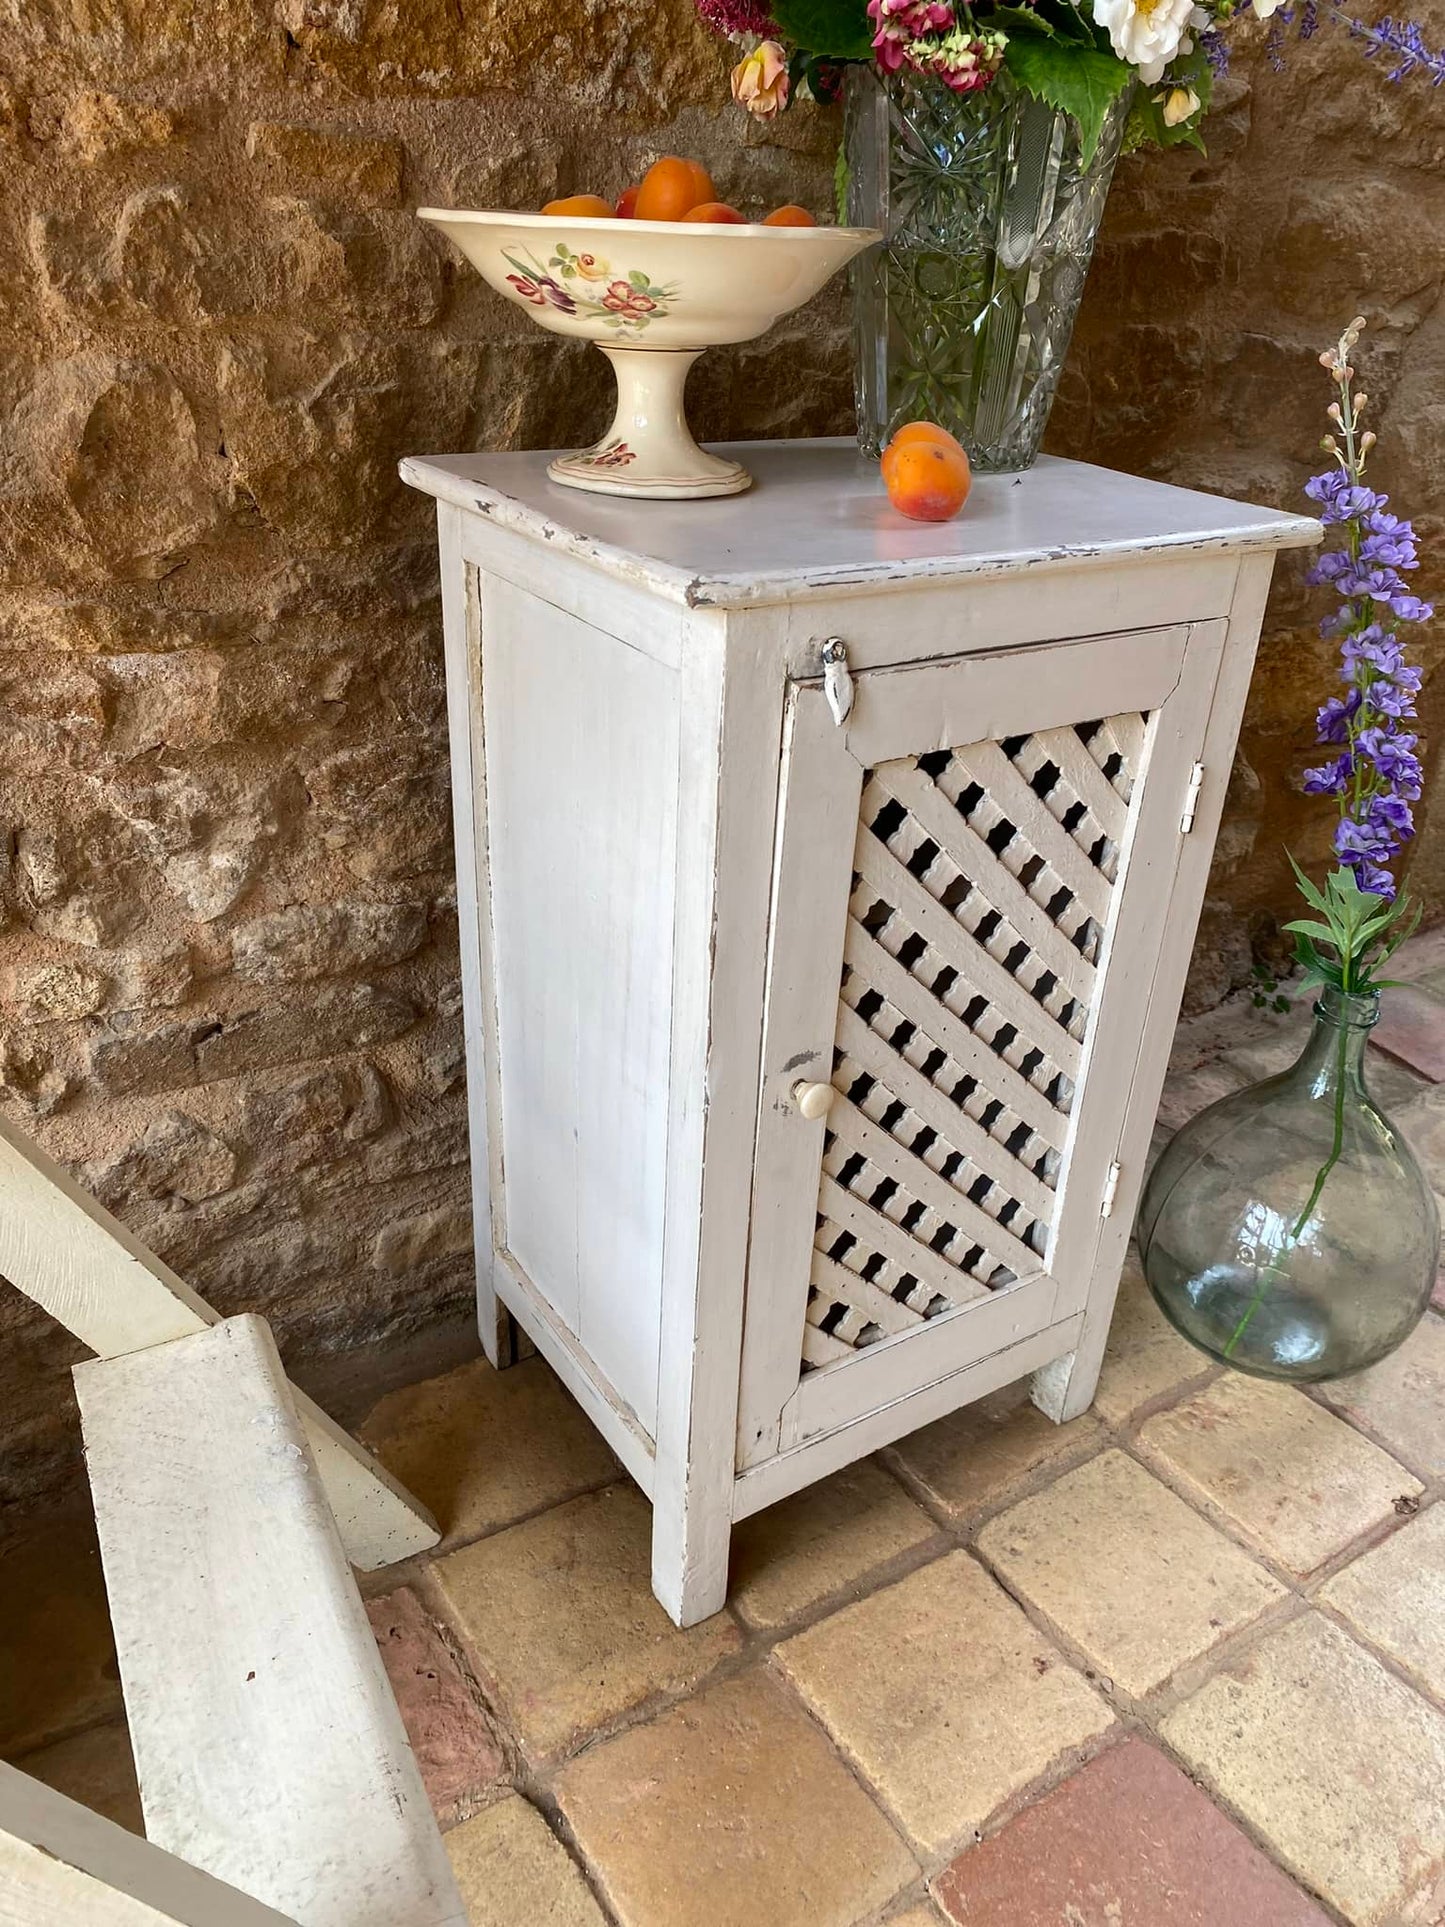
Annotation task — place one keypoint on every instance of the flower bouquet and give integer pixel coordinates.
(981, 138)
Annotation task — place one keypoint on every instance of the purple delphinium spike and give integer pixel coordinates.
(1377, 774)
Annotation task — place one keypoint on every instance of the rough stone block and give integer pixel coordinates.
(357, 167)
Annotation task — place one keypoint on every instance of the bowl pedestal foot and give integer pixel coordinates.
(649, 449)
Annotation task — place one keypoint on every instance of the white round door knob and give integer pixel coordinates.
(813, 1099)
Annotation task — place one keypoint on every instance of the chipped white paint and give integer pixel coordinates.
(268, 1748)
(63, 1866)
(670, 724)
(65, 1251)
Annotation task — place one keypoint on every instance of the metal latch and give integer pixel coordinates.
(1111, 1186)
(838, 684)
(1191, 799)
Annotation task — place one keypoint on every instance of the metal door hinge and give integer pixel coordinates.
(1191, 799)
(1111, 1186)
(837, 680)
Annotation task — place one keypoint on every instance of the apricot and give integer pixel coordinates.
(927, 478)
(574, 205)
(627, 204)
(670, 188)
(924, 432)
(715, 211)
(790, 216)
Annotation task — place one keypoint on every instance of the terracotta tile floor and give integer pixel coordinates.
(1181, 1664)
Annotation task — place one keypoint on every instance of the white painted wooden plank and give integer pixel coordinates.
(880, 968)
(763, 1485)
(732, 722)
(903, 1251)
(461, 632)
(937, 1110)
(876, 1306)
(268, 1748)
(889, 1370)
(817, 517)
(63, 1866)
(821, 784)
(65, 1251)
(1142, 897)
(928, 706)
(887, 877)
(998, 887)
(582, 735)
(1065, 1387)
(602, 1403)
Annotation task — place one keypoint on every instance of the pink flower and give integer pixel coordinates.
(760, 80)
(528, 290)
(622, 298)
(741, 17)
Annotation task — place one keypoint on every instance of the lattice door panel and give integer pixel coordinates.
(983, 885)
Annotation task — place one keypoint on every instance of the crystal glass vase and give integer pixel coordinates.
(1288, 1230)
(963, 314)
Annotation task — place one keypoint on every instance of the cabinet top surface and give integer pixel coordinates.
(816, 520)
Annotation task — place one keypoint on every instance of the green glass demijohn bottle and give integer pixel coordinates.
(1288, 1230)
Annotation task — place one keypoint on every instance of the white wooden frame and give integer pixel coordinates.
(63, 1866)
(736, 642)
(65, 1251)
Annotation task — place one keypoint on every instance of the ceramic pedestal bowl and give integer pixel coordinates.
(652, 295)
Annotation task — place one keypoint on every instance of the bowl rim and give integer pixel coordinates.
(590, 223)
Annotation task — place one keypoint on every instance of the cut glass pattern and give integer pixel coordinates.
(982, 890)
(963, 315)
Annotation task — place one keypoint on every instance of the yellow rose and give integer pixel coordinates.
(591, 269)
(1180, 105)
(760, 81)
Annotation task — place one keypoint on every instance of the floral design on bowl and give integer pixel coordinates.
(628, 301)
(702, 286)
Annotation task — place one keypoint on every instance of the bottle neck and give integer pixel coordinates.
(1335, 1052)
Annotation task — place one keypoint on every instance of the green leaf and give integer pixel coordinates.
(1069, 23)
(1077, 80)
(837, 29)
(1307, 927)
(1307, 890)
(1016, 20)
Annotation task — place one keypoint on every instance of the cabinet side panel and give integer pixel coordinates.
(582, 744)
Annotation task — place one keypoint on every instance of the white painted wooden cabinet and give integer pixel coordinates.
(827, 884)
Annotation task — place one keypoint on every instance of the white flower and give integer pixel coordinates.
(1147, 33)
(1264, 8)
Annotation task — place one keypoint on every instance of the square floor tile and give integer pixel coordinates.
(514, 1872)
(1335, 1764)
(1145, 1357)
(458, 1753)
(787, 1559)
(1412, 1028)
(973, 1459)
(1128, 1841)
(483, 1448)
(559, 1615)
(1395, 1596)
(1402, 1399)
(731, 1810)
(1127, 1571)
(1297, 1482)
(944, 1696)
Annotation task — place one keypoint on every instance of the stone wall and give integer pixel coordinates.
(227, 931)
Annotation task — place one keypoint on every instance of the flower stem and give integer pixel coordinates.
(1276, 1263)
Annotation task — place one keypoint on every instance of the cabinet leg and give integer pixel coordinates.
(690, 1565)
(501, 1339)
(1064, 1388)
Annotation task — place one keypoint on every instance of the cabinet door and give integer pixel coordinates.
(972, 882)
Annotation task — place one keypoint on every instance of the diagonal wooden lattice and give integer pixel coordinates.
(983, 882)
